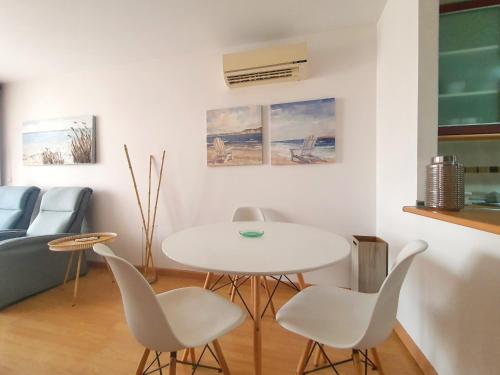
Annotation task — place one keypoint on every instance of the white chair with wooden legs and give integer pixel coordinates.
(247, 214)
(253, 214)
(173, 320)
(243, 214)
(345, 319)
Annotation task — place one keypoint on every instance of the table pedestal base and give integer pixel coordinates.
(257, 329)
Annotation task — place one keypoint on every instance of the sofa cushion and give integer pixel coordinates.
(60, 209)
(16, 206)
(13, 197)
(9, 218)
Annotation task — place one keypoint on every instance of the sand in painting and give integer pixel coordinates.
(241, 155)
(324, 152)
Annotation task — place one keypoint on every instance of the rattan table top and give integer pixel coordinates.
(81, 241)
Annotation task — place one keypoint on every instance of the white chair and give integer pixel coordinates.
(344, 319)
(174, 320)
(248, 214)
(304, 154)
(222, 153)
(240, 214)
(251, 214)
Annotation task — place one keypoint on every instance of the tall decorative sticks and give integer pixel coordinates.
(148, 225)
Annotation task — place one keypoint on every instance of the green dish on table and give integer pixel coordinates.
(252, 233)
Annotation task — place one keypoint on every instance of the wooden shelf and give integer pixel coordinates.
(468, 137)
(480, 218)
(460, 6)
(478, 130)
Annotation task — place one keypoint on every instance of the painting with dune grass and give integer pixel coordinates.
(59, 141)
(234, 136)
(303, 132)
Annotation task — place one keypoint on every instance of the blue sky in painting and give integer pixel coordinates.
(229, 120)
(299, 119)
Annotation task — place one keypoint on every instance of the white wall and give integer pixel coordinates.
(151, 105)
(450, 300)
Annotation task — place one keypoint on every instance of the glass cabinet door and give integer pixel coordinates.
(469, 68)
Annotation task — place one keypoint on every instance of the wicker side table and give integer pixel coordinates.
(79, 243)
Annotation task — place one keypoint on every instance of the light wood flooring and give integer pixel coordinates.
(46, 335)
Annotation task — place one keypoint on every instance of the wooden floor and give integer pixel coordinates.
(46, 335)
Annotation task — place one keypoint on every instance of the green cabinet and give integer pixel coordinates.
(469, 72)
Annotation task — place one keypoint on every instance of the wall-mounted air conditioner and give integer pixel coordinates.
(266, 65)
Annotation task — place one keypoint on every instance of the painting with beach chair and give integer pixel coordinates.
(234, 136)
(303, 132)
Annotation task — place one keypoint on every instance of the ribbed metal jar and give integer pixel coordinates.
(445, 184)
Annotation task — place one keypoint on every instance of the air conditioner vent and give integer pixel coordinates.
(265, 66)
(262, 76)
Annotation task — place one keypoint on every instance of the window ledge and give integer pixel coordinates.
(480, 218)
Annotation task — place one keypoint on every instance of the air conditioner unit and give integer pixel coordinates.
(266, 65)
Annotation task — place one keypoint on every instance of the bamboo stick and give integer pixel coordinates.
(149, 211)
(137, 195)
(150, 224)
(156, 204)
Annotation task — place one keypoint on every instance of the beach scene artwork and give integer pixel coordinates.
(59, 141)
(303, 132)
(234, 136)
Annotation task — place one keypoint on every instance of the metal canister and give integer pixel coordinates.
(444, 183)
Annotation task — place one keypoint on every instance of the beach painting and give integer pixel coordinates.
(303, 132)
(234, 136)
(59, 141)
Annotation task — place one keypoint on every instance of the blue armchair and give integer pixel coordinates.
(16, 207)
(27, 266)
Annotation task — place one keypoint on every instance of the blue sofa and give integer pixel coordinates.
(27, 266)
(16, 207)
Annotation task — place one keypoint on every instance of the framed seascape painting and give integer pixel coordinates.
(234, 136)
(303, 132)
(59, 141)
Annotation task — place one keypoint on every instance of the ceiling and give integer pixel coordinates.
(44, 37)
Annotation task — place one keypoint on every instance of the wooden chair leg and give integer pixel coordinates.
(251, 289)
(303, 358)
(317, 357)
(376, 360)
(142, 363)
(268, 291)
(192, 355)
(357, 363)
(220, 356)
(185, 355)
(233, 288)
(173, 363)
(207, 280)
(300, 279)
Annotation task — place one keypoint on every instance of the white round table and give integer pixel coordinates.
(285, 248)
